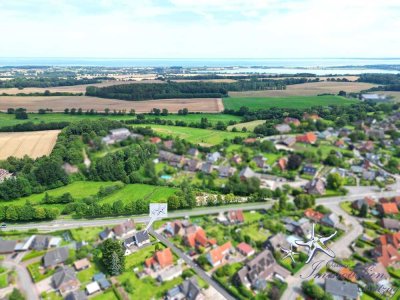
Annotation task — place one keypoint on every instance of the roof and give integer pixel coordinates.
(196, 235)
(282, 162)
(308, 137)
(389, 208)
(7, 246)
(77, 295)
(81, 264)
(99, 276)
(104, 234)
(341, 288)
(141, 236)
(41, 242)
(247, 173)
(163, 257)
(104, 283)
(217, 254)
(63, 275)
(92, 287)
(236, 216)
(386, 254)
(313, 214)
(55, 257)
(245, 248)
(124, 228)
(390, 223)
(190, 288)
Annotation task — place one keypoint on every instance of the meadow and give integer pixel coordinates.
(299, 102)
(204, 137)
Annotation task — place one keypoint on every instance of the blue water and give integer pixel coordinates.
(319, 66)
(166, 177)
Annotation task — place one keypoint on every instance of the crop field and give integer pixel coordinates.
(299, 102)
(196, 118)
(248, 125)
(59, 103)
(206, 137)
(64, 89)
(308, 89)
(34, 144)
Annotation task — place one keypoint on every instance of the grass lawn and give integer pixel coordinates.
(52, 296)
(36, 274)
(85, 276)
(255, 233)
(10, 120)
(299, 102)
(3, 280)
(196, 118)
(195, 135)
(250, 216)
(249, 125)
(33, 254)
(88, 234)
(346, 206)
(140, 191)
(78, 190)
(108, 295)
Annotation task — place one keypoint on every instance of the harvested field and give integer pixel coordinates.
(59, 103)
(34, 144)
(308, 89)
(70, 89)
(248, 125)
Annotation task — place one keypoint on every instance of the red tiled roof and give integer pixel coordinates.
(313, 214)
(282, 163)
(163, 258)
(236, 216)
(389, 208)
(245, 248)
(217, 254)
(249, 140)
(308, 137)
(155, 140)
(348, 274)
(197, 237)
(388, 255)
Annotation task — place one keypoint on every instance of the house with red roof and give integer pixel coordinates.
(387, 250)
(282, 163)
(217, 255)
(294, 121)
(155, 140)
(160, 260)
(250, 140)
(235, 217)
(388, 208)
(313, 215)
(313, 117)
(307, 138)
(245, 249)
(195, 237)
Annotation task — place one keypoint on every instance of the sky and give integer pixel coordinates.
(200, 28)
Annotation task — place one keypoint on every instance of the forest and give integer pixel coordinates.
(149, 91)
(44, 82)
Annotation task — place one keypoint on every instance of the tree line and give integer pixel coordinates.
(44, 82)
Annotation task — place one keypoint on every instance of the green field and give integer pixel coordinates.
(196, 135)
(78, 190)
(299, 102)
(196, 118)
(140, 191)
(10, 120)
(248, 125)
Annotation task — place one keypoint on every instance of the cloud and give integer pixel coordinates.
(200, 28)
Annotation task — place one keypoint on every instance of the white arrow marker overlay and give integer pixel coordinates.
(157, 211)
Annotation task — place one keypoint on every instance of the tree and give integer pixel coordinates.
(334, 181)
(363, 210)
(294, 162)
(282, 202)
(21, 114)
(16, 295)
(113, 256)
(115, 264)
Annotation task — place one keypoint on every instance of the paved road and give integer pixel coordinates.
(24, 279)
(69, 224)
(193, 265)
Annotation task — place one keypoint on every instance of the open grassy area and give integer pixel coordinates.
(78, 190)
(140, 191)
(108, 295)
(38, 275)
(196, 135)
(3, 280)
(10, 120)
(299, 102)
(87, 234)
(248, 125)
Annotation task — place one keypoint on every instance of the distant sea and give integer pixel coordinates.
(319, 66)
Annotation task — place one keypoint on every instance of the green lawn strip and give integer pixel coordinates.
(3, 280)
(78, 190)
(299, 102)
(107, 295)
(87, 234)
(133, 192)
(85, 276)
(33, 254)
(195, 135)
(35, 272)
(196, 118)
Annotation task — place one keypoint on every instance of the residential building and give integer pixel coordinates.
(282, 164)
(260, 161)
(195, 236)
(391, 224)
(309, 170)
(155, 140)
(76, 295)
(169, 273)
(313, 215)
(7, 247)
(192, 165)
(160, 260)
(259, 270)
(126, 228)
(331, 220)
(315, 187)
(245, 249)
(188, 290)
(92, 288)
(41, 242)
(288, 141)
(64, 280)
(217, 255)
(372, 273)
(307, 138)
(283, 128)
(142, 238)
(247, 173)
(226, 171)
(388, 208)
(207, 167)
(236, 159)
(294, 121)
(4, 174)
(107, 233)
(55, 257)
(82, 264)
(171, 158)
(213, 157)
(341, 290)
(235, 217)
(276, 242)
(193, 152)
